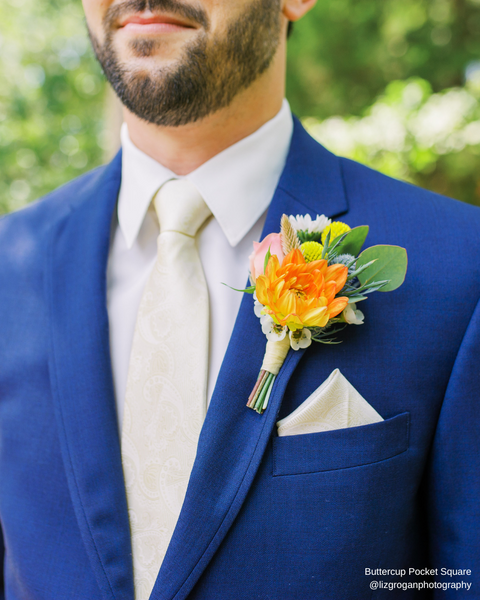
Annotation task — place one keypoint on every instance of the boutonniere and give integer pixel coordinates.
(307, 281)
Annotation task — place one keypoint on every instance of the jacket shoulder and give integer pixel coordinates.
(40, 214)
(411, 206)
(25, 234)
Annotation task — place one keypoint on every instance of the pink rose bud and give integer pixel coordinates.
(257, 258)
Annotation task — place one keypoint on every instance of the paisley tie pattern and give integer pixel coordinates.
(167, 381)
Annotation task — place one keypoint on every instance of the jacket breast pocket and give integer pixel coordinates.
(341, 448)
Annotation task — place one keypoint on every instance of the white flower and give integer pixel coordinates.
(257, 306)
(302, 338)
(352, 316)
(257, 309)
(305, 223)
(274, 332)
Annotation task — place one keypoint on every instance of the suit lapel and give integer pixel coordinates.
(234, 438)
(82, 380)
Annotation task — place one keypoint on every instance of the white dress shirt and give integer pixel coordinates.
(237, 185)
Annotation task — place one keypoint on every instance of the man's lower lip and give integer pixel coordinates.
(154, 28)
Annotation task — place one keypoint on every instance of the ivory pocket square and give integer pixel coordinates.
(336, 404)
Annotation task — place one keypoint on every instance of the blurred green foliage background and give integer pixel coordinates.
(51, 99)
(393, 84)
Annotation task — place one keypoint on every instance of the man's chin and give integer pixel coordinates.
(158, 49)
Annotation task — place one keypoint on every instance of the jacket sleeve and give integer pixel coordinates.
(2, 554)
(453, 483)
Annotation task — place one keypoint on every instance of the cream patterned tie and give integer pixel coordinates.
(167, 381)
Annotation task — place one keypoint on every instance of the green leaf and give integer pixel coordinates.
(357, 272)
(249, 290)
(267, 258)
(374, 287)
(390, 264)
(325, 245)
(337, 242)
(355, 299)
(326, 336)
(351, 263)
(353, 241)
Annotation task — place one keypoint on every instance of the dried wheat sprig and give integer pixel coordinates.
(288, 236)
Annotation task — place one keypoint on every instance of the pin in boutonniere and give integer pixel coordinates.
(306, 282)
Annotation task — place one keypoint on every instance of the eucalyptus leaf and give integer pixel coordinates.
(353, 241)
(390, 264)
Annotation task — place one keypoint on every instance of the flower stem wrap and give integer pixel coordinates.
(275, 354)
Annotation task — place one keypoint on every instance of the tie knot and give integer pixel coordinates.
(180, 207)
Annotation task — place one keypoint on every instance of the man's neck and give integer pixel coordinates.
(183, 149)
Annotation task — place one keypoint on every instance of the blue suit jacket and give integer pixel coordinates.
(264, 517)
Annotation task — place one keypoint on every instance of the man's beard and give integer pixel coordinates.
(212, 71)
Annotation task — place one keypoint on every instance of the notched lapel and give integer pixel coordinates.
(234, 438)
(82, 381)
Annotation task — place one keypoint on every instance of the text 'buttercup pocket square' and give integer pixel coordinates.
(336, 404)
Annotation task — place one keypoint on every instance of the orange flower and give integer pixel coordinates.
(300, 294)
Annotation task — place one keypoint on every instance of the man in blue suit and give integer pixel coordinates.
(331, 515)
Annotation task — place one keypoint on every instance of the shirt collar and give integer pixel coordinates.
(237, 185)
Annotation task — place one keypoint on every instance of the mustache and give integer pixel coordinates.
(180, 9)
